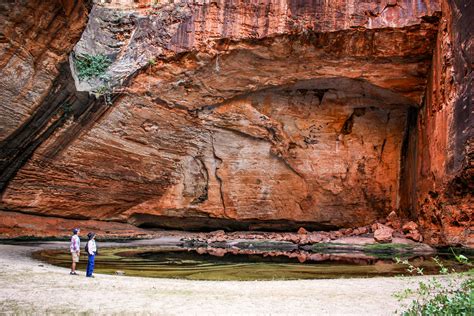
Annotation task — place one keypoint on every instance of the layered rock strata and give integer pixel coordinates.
(442, 152)
(253, 115)
(35, 40)
(37, 93)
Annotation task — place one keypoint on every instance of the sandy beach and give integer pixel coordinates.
(33, 287)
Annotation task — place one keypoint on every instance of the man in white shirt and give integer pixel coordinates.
(75, 249)
(92, 251)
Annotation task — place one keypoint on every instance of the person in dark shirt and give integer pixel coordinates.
(91, 249)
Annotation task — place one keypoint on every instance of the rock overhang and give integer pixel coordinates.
(204, 34)
(246, 113)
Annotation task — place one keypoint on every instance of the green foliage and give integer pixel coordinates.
(445, 302)
(409, 267)
(104, 91)
(67, 108)
(460, 258)
(91, 66)
(152, 62)
(453, 295)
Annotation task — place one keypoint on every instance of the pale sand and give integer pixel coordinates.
(29, 287)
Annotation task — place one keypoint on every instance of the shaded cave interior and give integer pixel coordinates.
(350, 147)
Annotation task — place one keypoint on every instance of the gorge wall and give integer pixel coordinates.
(239, 114)
(444, 181)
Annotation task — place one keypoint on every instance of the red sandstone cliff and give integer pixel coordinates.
(444, 149)
(245, 115)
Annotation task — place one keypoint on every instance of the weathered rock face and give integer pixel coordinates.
(36, 89)
(441, 151)
(242, 115)
(18, 225)
(36, 37)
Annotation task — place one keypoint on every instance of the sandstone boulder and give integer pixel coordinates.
(360, 231)
(410, 226)
(392, 216)
(346, 231)
(415, 235)
(315, 238)
(301, 258)
(393, 220)
(302, 231)
(374, 227)
(218, 233)
(201, 250)
(218, 252)
(383, 233)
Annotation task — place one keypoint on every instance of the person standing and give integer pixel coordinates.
(91, 249)
(75, 249)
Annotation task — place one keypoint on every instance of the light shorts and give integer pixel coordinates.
(75, 257)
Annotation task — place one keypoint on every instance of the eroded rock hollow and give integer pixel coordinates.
(239, 114)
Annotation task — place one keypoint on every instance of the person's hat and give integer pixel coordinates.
(90, 235)
(75, 231)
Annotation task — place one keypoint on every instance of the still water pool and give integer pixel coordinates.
(192, 264)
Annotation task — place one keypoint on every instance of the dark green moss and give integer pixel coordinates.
(387, 247)
(331, 247)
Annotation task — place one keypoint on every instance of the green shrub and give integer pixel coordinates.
(447, 301)
(439, 297)
(91, 66)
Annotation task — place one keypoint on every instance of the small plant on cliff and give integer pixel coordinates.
(151, 62)
(91, 66)
(453, 295)
(104, 92)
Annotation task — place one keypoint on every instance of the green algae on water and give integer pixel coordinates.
(183, 263)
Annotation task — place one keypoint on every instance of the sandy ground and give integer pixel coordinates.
(29, 287)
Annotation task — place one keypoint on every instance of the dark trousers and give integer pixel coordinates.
(90, 265)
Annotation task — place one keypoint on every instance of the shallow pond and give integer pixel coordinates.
(199, 264)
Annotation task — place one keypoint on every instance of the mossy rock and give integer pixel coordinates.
(389, 248)
(266, 245)
(333, 247)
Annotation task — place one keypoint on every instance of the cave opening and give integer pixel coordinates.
(344, 143)
(224, 126)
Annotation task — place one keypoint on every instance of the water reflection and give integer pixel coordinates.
(241, 264)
